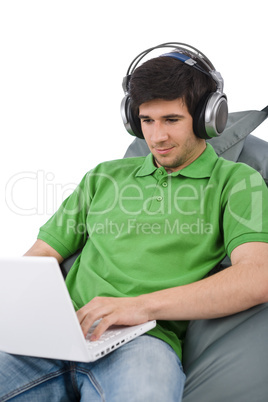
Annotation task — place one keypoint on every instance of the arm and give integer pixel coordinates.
(237, 288)
(40, 248)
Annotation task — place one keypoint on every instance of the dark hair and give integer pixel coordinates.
(167, 78)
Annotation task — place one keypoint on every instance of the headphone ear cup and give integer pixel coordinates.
(211, 115)
(130, 120)
(199, 118)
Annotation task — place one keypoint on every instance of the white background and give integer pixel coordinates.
(61, 68)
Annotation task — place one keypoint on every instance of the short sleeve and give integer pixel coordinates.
(66, 230)
(245, 217)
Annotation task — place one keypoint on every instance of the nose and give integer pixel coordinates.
(159, 132)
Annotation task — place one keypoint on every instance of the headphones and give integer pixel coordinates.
(211, 113)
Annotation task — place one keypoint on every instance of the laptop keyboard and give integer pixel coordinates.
(107, 335)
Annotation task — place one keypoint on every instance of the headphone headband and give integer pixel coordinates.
(176, 45)
(178, 54)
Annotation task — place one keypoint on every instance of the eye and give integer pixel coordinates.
(172, 120)
(146, 121)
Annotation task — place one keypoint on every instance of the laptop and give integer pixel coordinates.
(37, 317)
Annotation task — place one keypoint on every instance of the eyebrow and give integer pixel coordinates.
(168, 116)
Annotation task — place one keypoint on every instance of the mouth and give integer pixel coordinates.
(163, 151)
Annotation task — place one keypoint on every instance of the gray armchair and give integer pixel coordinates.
(226, 359)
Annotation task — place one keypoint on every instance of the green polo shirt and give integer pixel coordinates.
(143, 230)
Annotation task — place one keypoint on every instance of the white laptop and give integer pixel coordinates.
(37, 317)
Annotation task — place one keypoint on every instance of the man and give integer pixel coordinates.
(151, 229)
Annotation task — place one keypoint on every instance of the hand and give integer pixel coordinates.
(113, 311)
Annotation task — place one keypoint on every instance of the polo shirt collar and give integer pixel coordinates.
(200, 168)
(148, 167)
(203, 166)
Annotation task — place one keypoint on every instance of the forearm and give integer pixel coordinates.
(235, 289)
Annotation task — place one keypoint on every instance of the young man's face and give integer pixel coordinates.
(167, 127)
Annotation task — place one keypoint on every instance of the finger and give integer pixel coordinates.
(87, 319)
(92, 317)
(84, 311)
(90, 313)
(104, 324)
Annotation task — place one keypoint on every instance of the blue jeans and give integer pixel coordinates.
(145, 369)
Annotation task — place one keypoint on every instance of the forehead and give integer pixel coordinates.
(161, 107)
